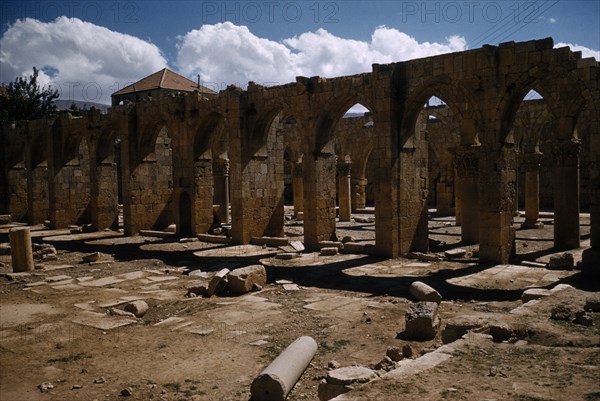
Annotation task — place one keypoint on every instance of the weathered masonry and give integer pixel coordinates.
(181, 154)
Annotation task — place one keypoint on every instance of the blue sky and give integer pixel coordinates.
(103, 45)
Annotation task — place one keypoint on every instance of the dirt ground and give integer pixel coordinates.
(54, 326)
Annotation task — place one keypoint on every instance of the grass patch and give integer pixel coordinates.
(70, 358)
(172, 386)
(592, 396)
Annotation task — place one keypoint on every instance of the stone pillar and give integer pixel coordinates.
(466, 162)
(516, 212)
(344, 200)
(566, 194)
(359, 193)
(221, 176)
(105, 195)
(203, 197)
(21, 249)
(457, 198)
(531, 165)
(319, 199)
(496, 199)
(297, 185)
(444, 195)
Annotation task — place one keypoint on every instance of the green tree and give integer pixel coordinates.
(24, 99)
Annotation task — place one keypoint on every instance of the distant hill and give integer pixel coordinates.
(66, 105)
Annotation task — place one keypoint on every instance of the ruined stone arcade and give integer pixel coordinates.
(171, 159)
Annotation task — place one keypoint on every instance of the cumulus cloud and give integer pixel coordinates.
(225, 54)
(585, 51)
(82, 60)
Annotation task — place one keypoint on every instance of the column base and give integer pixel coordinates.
(532, 224)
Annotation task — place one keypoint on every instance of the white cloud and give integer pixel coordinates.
(552, 20)
(83, 60)
(585, 51)
(225, 54)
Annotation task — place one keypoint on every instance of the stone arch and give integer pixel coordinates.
(205, 135)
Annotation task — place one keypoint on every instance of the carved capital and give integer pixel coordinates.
(566, 152)
(343, 168)
(221, 167)
(466, 161)
(531, 161)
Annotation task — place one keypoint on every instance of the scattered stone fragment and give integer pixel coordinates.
(46, 386)
(99, 380)
(333, 365)
(561, 312)
(184, 240)
(592, 304)
(75, 230)
(359, 219)
(394, 353)
(423, 292)
(385, 364)
(534, 293)
(119, 312)
(92, 257)
(329, 251)
(291, 287)
(422, 321)
(347, 238)
(5, 219)
(218, 282)
(564, 261)
(138, 308)
(297, 245)
(455, 253)
(126, 392)
(76, 386)
(500, 332)
(243, 280)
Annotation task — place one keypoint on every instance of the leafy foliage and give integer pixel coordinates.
(25, 100)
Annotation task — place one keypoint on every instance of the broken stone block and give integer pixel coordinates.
(218, 282)
(422, 321)
(329, 251)
(457, 327)
(592, 304)
(347, 238)
(287, 256)
(423, 292)
(500, 332)
(407, 350)
(245, 279)
(350, 375)
(198, 289)
(333, 365)
(5, 219)
(534, 293)
(297, 245)
(92, 257)
(561, 312)
(185, 240)
(119, 312)
(394, 353)
(533, 264)
(583, 318)
(455, 253)
(138, 308)
(561, 262)
(327, 391)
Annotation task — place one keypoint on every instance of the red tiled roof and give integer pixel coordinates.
(164, 79)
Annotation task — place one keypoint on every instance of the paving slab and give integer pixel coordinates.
(110, 280)
(330, 303)
(101, 321)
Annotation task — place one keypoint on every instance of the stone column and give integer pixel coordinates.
(566, 194)
(516, 212)
(319, 199)
(297, 185)
(359, 193)
(344, 200)
(221, 176)
(531, 165)
(466, 162)
(21, 249)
